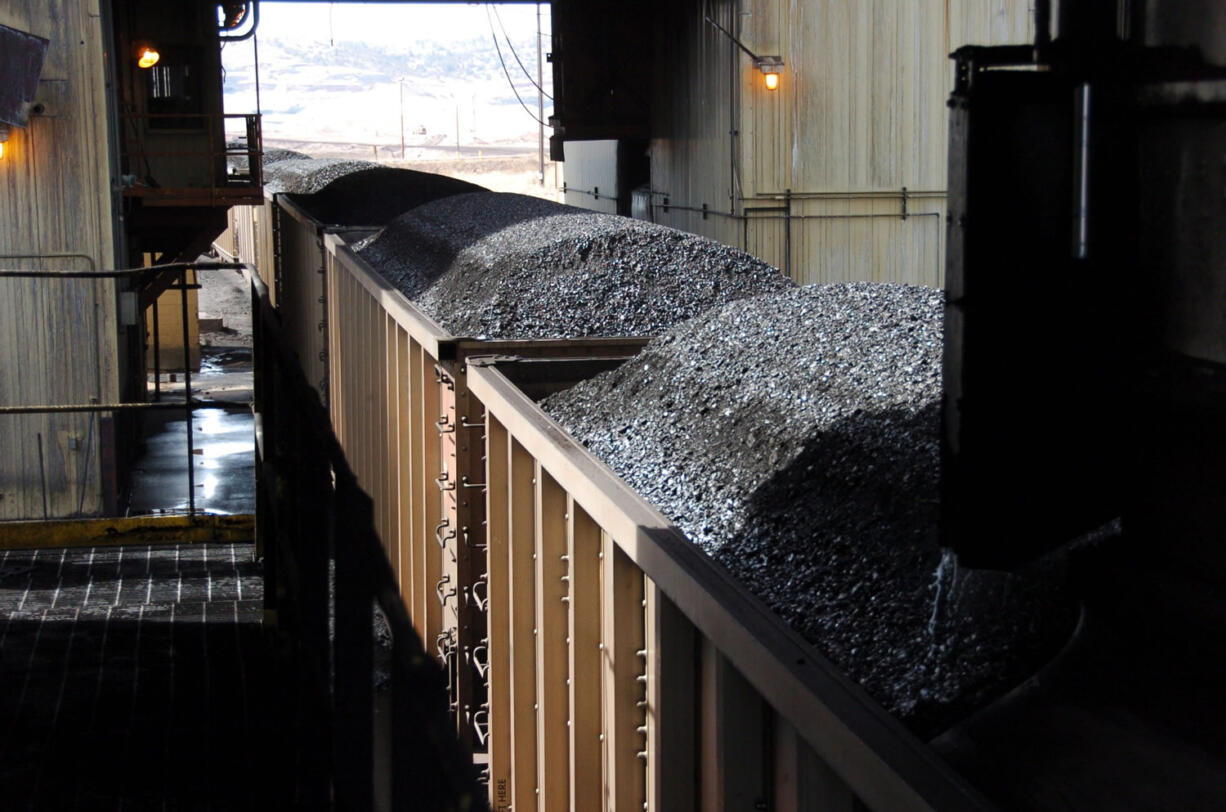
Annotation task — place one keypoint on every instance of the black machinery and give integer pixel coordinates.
(1085, 383)
(1085, 351)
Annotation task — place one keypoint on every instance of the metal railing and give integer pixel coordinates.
(102, 408)
(236, 172)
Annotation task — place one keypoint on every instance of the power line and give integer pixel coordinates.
(505, 72)
(517, 59)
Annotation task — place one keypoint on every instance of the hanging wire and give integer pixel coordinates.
(517, 59)
(505, 72)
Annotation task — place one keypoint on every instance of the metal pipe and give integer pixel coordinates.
(787, 234)
(875, 194)
(42, 473)
(157, 354)
(69, 408)
(255, 23)
(540, 98)
(89, 446)
(187, 399)
(124, 272)
(93, 266)
(1081, 180)
(728, 34)
(1042, 25)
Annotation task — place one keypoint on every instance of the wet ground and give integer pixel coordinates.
(223, 434)
(223, 463)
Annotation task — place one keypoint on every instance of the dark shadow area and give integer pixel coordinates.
(843, 545)
(158, 714)
(141, 676)
(1127, 719)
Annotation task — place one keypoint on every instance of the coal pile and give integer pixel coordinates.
(795, 438)
(276, 155)
(373, 195)
(308, 175)
(511, 266)
(237, 158)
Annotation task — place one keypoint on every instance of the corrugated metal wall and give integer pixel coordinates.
(818, 167)
(57, 337)
(693, 109)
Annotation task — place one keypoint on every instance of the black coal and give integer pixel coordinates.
(511, 266)
(795, 438)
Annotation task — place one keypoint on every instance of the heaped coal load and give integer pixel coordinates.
(374, 195)
(795, 438)
(308, 175)
(510, 266)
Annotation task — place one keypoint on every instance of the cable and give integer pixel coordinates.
(517, 59)
(507, 73)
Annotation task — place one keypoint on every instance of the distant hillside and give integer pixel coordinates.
(352, 92)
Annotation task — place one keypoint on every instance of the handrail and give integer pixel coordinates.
(253, 151)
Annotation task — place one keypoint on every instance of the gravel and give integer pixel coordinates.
(373, 195)
(795, 438)
(511, 266)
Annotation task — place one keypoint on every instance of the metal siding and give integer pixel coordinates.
(860, 114)
(690, 152)
(58, 338)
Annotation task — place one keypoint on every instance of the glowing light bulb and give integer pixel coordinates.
(148, 57)
(772, 81)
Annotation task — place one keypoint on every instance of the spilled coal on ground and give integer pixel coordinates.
(794, 437)
(493, 265)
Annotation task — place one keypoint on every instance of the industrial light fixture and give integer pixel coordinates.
(771, 66)
(147, 56)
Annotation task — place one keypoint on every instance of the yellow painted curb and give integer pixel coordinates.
(131, 530)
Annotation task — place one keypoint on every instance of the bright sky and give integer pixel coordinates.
(391, 24)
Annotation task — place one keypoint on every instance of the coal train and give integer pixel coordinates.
(590, 646)
(597, 658)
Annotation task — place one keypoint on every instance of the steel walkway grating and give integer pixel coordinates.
(134, 678)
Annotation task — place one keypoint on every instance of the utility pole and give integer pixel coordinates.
(540, 100)
(402, 118)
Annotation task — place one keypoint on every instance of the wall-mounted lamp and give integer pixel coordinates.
(147, 56)
(771, 66)
(4, 136)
